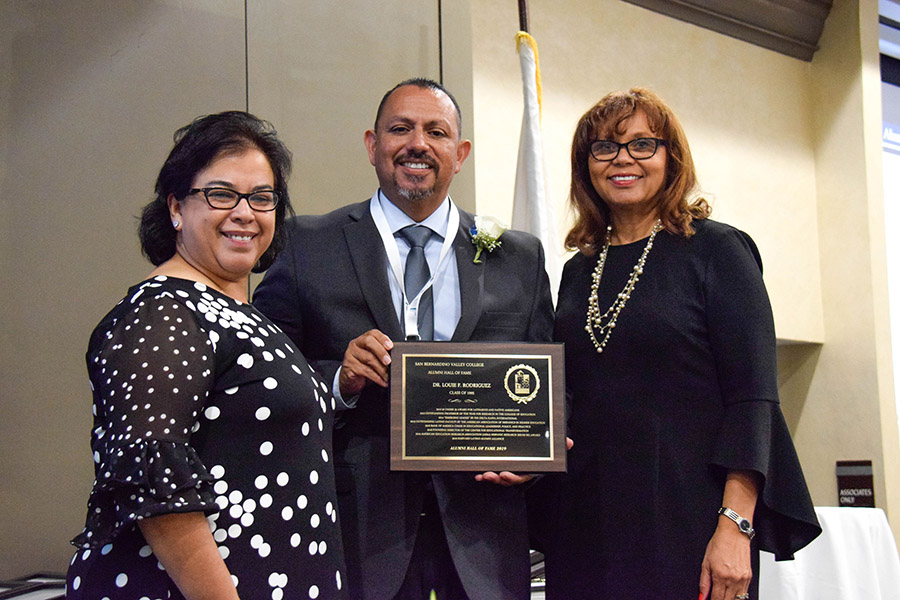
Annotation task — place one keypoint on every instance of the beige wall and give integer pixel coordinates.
(850, 410)
(90, 96)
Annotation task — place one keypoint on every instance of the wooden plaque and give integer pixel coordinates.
(477, 406)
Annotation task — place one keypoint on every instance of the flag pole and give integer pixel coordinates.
(523, 15)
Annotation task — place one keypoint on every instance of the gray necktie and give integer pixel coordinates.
(416, 274)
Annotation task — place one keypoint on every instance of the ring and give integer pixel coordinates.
(744, 596)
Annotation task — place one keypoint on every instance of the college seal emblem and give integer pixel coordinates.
(522, 383)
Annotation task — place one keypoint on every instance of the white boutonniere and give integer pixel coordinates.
(486, 234)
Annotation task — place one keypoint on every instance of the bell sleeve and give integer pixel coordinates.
(151, 368)
(754, 435)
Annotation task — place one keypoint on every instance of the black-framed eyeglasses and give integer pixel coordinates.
(638, 148)
(225, 198)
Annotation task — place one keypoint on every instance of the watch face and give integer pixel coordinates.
(744, 525)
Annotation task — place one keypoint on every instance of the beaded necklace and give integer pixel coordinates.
(594, 318)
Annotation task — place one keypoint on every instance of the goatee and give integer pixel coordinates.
(415, 194)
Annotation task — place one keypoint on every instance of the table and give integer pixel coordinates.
(855, 557)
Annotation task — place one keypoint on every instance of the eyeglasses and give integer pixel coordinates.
(225, 199)
(638, 149)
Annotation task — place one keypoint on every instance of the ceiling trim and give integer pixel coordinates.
(791, 27)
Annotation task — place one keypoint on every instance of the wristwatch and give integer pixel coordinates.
(742, 523)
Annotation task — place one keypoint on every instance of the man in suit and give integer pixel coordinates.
(338, 291)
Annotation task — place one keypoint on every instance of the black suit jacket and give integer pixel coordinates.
(327, 287)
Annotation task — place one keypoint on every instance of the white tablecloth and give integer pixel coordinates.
(854, 558)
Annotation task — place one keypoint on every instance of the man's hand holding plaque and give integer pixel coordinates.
(366, 359)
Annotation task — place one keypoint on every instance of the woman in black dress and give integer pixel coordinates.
(212, 434)
(683, 467)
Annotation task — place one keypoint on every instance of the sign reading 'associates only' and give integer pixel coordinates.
(479, 406)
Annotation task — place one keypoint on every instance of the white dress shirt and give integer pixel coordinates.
(447, 304)
(445, 291)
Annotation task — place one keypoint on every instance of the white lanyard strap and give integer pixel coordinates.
(411, 307)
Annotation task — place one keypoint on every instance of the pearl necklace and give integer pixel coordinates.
(594, 318)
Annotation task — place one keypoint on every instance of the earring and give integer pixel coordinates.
(175, 224)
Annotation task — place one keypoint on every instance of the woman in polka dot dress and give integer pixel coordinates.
(212, 434)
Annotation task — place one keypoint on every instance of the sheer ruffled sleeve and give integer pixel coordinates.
(142, 480)
(754, 435)
(151, 365)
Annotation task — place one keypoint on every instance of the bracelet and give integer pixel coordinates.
(742, 523)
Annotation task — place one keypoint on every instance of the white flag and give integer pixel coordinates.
(531, 210)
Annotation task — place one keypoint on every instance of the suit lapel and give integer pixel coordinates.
(471, 280)
(370, 263)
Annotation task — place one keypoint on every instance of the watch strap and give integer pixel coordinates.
(742, 523)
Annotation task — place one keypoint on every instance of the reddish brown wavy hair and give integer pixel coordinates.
(606, 118)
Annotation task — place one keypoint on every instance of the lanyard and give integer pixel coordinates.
(411, 306)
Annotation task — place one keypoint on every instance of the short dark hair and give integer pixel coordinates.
(424, 83)
(197, 145)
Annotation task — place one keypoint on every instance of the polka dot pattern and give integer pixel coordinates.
(202, 404)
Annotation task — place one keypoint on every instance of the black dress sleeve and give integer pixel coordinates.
(151, 367)
(754, 435)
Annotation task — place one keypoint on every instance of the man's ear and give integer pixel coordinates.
(370, 140)
(462, 152)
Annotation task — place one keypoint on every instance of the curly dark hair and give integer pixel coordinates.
(606, 118)
(197, 145)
